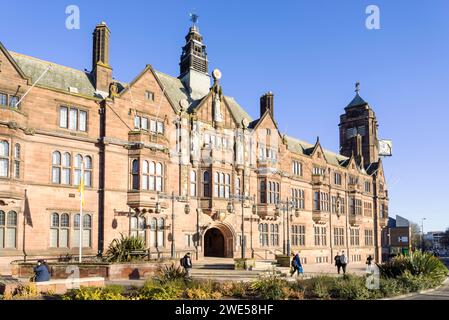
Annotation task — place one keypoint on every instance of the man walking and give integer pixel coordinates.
(343, 261)
(186, 262)
(338, 262)
(296, 264)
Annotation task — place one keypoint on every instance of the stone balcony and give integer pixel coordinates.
(320, 217)
(355, 220)
(142, 199)
(318, 179)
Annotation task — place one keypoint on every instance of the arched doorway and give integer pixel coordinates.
(214, 243)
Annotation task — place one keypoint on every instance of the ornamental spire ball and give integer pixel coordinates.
(216, 74)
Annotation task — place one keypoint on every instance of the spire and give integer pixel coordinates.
(358, 100)
(194, 66)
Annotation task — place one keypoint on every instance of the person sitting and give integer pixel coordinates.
(41, 272)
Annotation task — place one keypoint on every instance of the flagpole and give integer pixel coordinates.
(81, 188)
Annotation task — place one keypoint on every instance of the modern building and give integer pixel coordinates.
(396, 237)
(178, 162)
(436, 239)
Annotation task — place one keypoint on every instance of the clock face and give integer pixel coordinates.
(385, 148)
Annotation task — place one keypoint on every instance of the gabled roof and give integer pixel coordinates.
(174, 89)
(237, 111)
(58, 77)
(300, 147)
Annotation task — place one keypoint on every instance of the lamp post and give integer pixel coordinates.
(286, 206)
(230, 208)
(422, 234)
(172, 197)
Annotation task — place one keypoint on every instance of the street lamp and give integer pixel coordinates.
(422, 234)
(254, 210)
(172, 197)
(230, 208)
(287, 205)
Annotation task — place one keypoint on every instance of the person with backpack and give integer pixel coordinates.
(296, 264)
(338, 262)
(343, 261)
(186, 263)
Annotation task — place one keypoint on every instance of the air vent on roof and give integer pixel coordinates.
(73, 90)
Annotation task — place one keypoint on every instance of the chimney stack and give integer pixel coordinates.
(267, 103)
(101, 70)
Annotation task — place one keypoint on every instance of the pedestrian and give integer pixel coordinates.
(41, 271)
(343, 261)
(186, 263)
(369, 260)
(296, 266)
(338, 262)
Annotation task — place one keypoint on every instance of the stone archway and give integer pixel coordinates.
(219, 242)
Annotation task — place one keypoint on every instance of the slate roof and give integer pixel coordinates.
(357, 102)
(58, 77)
(305, 148)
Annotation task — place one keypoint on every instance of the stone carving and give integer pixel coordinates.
(218, 117)
(113, 90)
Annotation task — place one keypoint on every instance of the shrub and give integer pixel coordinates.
(350, 288)
(232, 289)
(155, 290)
(415, 264)
(112, 292)
(319, 287)
(119, 250)
(170, 273)
(270, 288)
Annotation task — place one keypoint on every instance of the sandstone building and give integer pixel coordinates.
(178, 162)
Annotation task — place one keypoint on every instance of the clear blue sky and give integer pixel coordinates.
(309, 53)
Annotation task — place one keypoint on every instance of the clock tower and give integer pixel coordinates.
(358, 131)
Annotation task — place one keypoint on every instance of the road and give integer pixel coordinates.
(439, 294)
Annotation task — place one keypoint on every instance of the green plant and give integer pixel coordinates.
(319, 287)
(232, 289)
(169, 273)
(112, 292)
(119, 250)
(155, 290)
(350, 288)
(270, 288)
(416, 264)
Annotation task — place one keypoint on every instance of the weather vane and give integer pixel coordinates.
(357, 87)
(194, 18)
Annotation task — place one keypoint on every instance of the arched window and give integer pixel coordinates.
(8, 230)
(66, 165)
(78, 168)
(193, 183)
(4, 159)
(56, 167)
(87, 231)
(135, 174)
(59, 230)
(17, 155)
(160, 232)
(145, 175)
(153, 235)
(138, 226)
(88, 171)
(206, 184)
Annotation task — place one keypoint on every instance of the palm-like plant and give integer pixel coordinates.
(120, 250)
(416, 264)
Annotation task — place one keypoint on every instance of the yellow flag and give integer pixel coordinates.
(81, 189)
